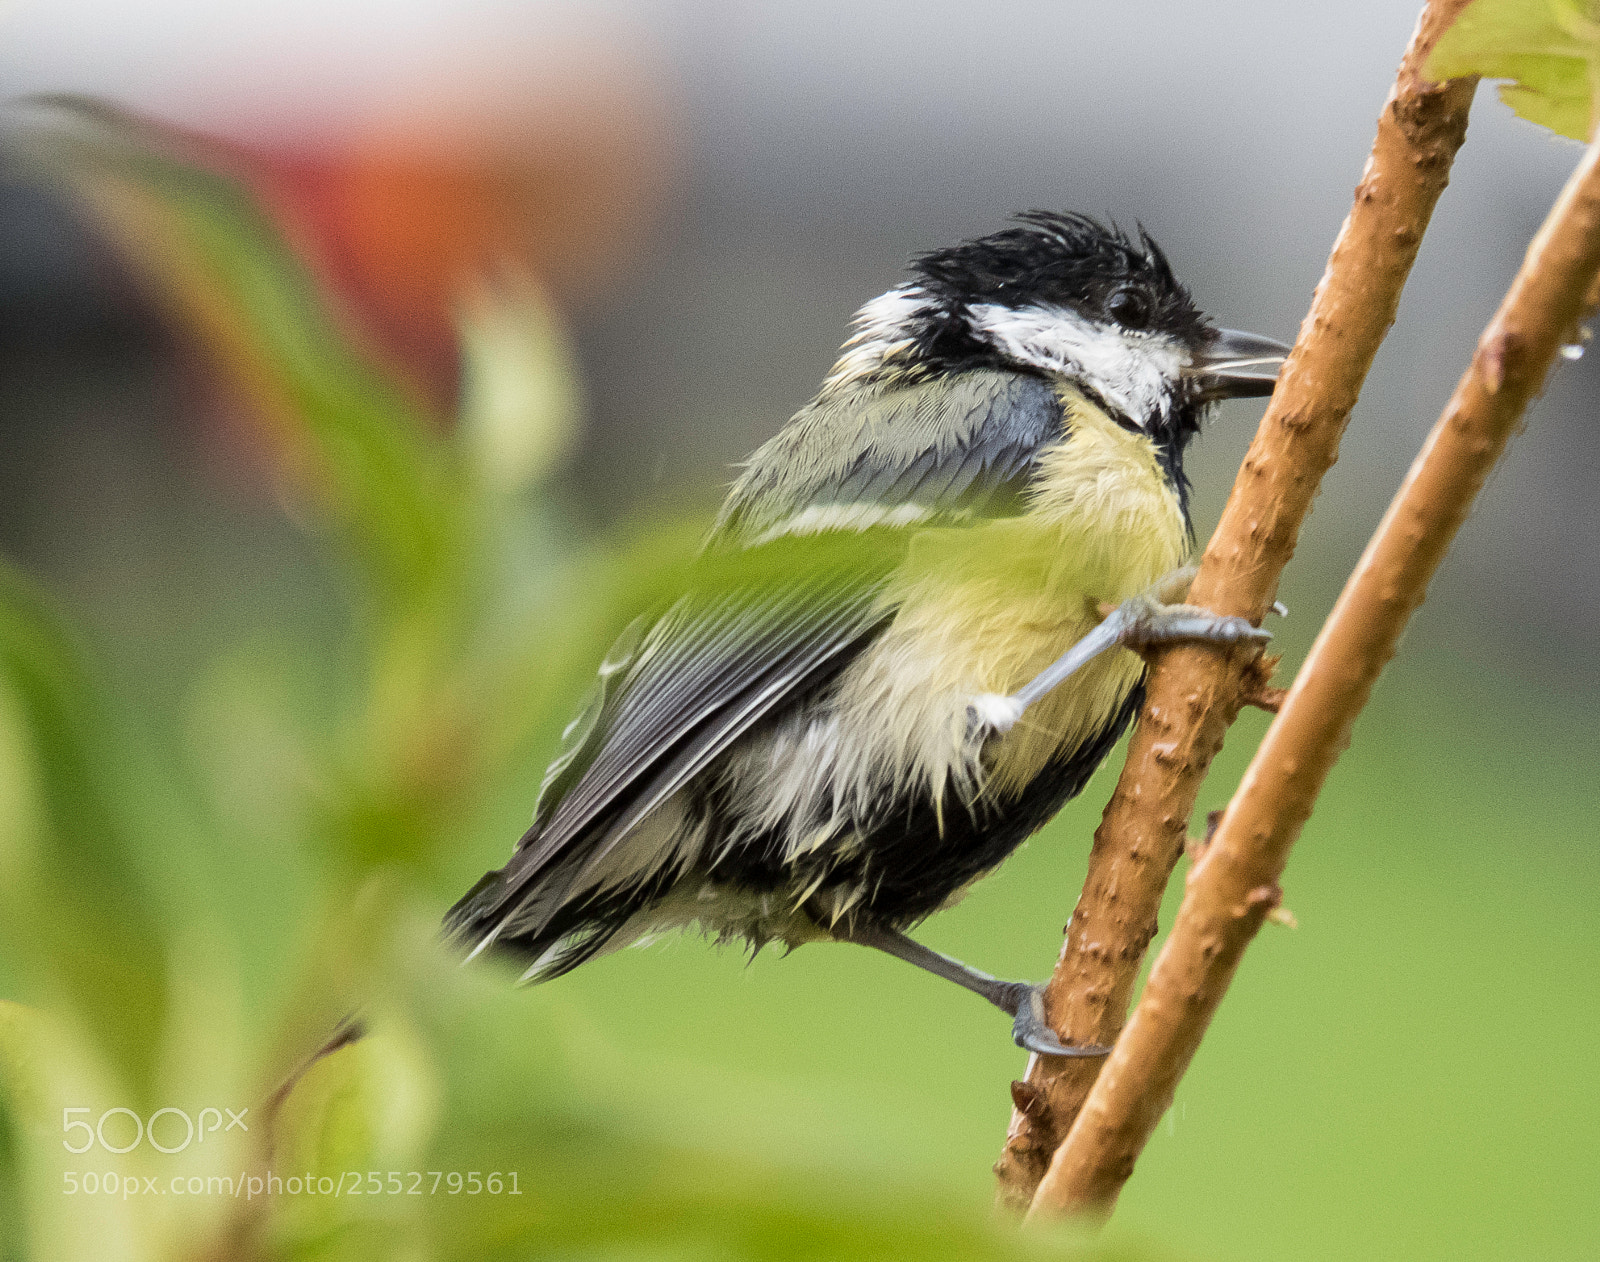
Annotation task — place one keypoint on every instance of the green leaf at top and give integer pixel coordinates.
(1550, 49)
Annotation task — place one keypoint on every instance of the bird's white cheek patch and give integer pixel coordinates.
(1135, 372)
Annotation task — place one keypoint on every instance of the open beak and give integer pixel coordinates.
(1238, 366)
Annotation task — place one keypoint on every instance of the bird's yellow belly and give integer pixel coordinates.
(985, 608)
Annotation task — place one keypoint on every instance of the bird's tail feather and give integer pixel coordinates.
(548, 945)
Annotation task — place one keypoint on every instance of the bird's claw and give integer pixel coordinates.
(1031, 1031)
(1148, 622)
(1138, 622)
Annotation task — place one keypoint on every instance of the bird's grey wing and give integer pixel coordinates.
(674, 692)
(958, 447)
(679, 689)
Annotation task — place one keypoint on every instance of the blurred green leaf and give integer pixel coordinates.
(354, 443)
(368, 1107)
(44, 1065)
(75, 913)
(1549, 48)
(520, 400)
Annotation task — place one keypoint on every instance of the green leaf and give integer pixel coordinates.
(1550, 49)
(350, 440)
(44, 1069)
(76, 913)
(365, 1109)
(520, 400)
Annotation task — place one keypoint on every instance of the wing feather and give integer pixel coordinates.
(680, 686)
(670, 699)
(962, 445)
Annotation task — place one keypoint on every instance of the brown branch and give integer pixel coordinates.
(1194, 694)
(1235, 885)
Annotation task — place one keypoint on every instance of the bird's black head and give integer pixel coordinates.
(1063, 295)
(1064, 262)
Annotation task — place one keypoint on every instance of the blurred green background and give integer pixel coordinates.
(326, 480)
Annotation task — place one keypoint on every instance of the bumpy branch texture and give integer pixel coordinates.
(1194, 694)
(1234, 884)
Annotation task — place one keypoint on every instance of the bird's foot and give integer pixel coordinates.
(1142, 621)
(1158, 615)
(1029, 1029)
(1023, 1002)
(1152, 617)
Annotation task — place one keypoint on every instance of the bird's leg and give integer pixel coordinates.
(1147, 618)
(1022, 1001)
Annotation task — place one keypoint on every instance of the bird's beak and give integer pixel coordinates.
(1238, 366)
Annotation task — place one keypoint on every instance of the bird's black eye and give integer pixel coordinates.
(1129, 308)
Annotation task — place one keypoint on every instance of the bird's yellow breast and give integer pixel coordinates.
(985, 608)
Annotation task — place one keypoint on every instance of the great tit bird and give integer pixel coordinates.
(858, 702)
